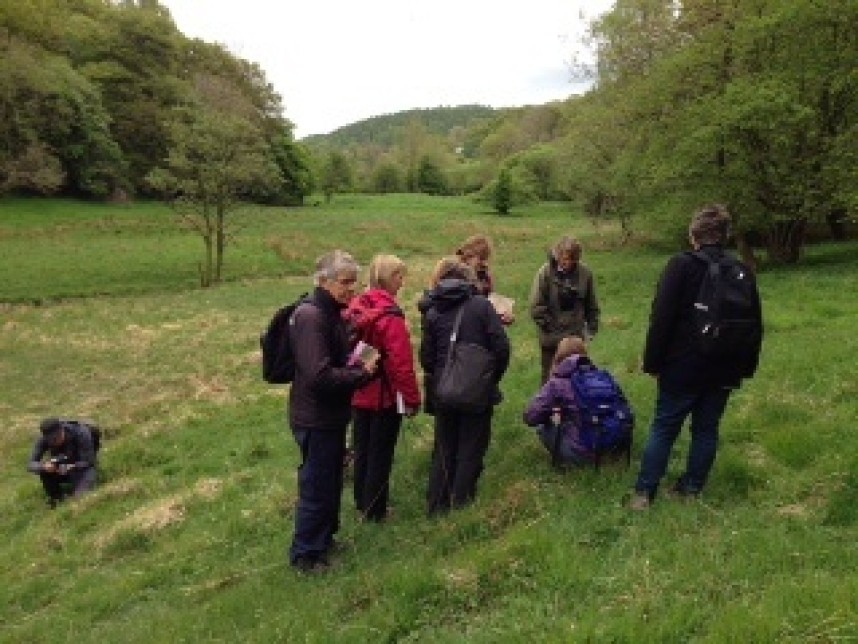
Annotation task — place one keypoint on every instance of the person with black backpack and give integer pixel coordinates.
(320, 406)
(704, 337)
(72, 447)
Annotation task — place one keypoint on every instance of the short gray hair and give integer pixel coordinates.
(566, 246)
(329, 265)
(710, 225)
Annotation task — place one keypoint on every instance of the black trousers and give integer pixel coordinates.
(547, 359)
(75, 483)
(374, 436)
(461, 442)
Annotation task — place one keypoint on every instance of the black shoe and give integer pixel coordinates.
(310, 565)
(681, 492)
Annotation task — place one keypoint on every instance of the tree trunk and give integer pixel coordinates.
(206, 269)
(836, 220)
(785, 240)
(220, 237)
(746, 251)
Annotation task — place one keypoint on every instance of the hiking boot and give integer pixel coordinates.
(680, 492)
(310, 565)
(640, 501)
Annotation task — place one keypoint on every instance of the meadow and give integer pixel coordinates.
(185, 539)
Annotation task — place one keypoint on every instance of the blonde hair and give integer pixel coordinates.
(569, 346)
(452, 267)
(476, 246)
(382, 268)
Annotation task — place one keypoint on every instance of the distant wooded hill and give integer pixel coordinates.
(383, 130)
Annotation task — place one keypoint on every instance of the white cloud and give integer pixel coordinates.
(335, 62)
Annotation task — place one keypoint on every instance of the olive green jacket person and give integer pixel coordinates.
(563, 304)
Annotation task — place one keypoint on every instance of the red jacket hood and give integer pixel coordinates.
(378, 320)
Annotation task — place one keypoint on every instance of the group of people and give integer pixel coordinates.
(334, 387)
(335, 384)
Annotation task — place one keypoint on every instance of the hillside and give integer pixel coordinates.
(383, 130)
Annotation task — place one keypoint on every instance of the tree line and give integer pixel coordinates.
(96, 96)
(752, 103)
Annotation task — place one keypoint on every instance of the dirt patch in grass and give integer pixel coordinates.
(158, 515)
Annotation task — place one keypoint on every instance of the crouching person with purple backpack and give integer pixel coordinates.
(580, 414)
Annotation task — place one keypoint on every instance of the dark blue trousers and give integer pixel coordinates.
(706, 406)
(320, 487)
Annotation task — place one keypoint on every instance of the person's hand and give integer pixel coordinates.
(507, 318)
(49, 467)
(371, 365)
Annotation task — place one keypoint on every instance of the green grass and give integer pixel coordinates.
(185, 539)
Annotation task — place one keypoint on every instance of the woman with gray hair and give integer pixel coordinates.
(320, 406)
(563, 300)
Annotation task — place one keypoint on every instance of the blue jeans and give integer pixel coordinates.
(320, 487)
(706, 406)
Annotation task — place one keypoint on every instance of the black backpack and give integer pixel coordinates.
(93, 429)
(727, 321)
(278, 360)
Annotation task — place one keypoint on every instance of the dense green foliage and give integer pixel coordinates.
(752, 103)
(382, 130)
(91, 92)
(185, 539)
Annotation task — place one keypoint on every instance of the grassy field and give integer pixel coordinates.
(185, 539)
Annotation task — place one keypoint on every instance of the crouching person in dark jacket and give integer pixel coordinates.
(461, 438)
(320, 406)
(72, 447)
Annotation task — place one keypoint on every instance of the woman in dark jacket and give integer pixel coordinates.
(461, 439)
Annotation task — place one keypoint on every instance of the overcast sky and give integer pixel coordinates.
(335, 62)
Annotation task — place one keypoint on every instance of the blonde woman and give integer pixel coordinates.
(378, 406)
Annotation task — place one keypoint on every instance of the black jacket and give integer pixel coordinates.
(671, 350)
(77, 448)
(480, 325)
(321, 393)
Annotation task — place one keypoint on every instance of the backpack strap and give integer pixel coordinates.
(454, 335)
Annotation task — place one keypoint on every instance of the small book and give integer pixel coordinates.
(363, 353)
(503, 305)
